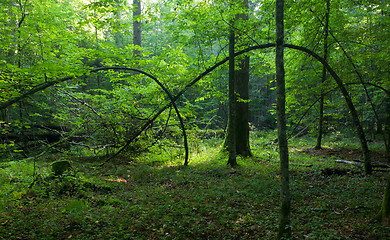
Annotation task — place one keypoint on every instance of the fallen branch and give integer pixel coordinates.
(359, 163)
(374, 164)
(380, 165)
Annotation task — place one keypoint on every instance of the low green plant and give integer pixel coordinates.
(152, 197)
(75, 206)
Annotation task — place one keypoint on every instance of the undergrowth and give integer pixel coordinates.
(152, 196)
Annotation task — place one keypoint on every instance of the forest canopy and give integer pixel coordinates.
(45, 41)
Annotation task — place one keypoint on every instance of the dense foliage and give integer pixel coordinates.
(58, 100)
(44, 41)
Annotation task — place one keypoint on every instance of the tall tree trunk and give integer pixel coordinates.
(241, 87)
(118, 35)
(231, 138)
(384, 213)
(137, 36)
(388, 132)
(284, 230)
(387, 126)
(323, 79)
(242, 90)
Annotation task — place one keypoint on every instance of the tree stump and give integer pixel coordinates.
(59, 167)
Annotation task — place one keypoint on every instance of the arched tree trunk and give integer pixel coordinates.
(351, 107)
(354, 115)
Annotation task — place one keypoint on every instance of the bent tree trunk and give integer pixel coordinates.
(351, 107)
(355, 118)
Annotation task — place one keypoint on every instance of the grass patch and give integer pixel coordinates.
(152, 196)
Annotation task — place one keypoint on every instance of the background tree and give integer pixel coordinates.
(241, 85)
(284, 230)
(137, 36)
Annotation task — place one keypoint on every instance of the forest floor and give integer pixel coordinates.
(152, 196)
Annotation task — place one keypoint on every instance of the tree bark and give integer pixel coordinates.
(242, 115)
(231, 139)
(242, 90)
(284, 230)
(241, 87)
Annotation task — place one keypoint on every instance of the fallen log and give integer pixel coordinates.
(360, 163)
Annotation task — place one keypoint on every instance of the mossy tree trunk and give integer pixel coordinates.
(242, 116)
(241, 125)
(241, 87)
(384, 213)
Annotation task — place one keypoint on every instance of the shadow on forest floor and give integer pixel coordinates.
(345, 154)
(152, 196)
